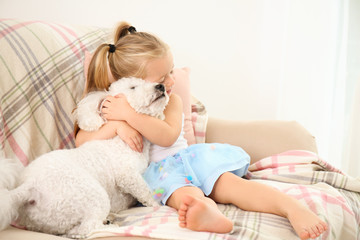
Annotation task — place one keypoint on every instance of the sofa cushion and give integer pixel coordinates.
(261, 138)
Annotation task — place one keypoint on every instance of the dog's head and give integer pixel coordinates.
(145, 97)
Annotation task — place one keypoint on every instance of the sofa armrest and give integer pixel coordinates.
(261, 138)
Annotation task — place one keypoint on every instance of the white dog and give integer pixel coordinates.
(71, 192)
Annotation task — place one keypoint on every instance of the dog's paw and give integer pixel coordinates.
(156, 204)
(110, 219)
(151, 202)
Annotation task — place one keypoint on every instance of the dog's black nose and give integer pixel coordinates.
(160, 87)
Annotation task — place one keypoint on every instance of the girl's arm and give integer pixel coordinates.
(161, 132)
(109, 130)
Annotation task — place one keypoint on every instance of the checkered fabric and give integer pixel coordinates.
(41, 79)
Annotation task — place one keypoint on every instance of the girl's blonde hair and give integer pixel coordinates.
(133, 50)
(128, 57)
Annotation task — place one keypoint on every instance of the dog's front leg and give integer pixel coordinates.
(138, 188)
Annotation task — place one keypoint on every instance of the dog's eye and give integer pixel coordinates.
(133, 87)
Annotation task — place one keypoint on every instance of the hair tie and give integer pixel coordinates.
(132, 29)
(112, 48)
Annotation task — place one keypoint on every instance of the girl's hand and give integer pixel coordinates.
(130, 136)
(109, 130)
(116, 108)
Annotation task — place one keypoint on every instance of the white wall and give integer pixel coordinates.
(221, 41)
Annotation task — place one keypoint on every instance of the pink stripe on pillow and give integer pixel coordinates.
(299, 153)
(200, 134)
(61, 33)
(71, 32)
(67, 40)
(66, 140)
(15, 146)
(12, 28)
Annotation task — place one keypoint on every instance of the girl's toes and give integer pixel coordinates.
(310, 232)
(324, 225)
(182, 212)
(304, 234)
(320, 228)
(313, 235)
(183, 207)
(315, 230)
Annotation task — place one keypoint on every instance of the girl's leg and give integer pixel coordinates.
(197, 212)
(253, 196)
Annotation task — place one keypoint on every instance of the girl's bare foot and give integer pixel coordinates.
(200, 215)
(306, 224)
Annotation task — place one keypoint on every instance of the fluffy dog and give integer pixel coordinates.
(71, 192)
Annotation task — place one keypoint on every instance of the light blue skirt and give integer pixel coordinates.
(199, 165)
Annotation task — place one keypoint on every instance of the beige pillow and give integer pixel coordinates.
(261, 139)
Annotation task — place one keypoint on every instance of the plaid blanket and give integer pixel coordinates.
(331, 194)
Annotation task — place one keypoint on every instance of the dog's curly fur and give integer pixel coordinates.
(71, 192)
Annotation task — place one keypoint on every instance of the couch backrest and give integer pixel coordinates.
(41, 79)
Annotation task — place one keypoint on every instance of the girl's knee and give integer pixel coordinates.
(224, 186)
(176, 197)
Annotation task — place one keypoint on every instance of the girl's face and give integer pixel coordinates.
(160, 70)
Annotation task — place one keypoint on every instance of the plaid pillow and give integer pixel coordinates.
(41, 81)
(199, 119)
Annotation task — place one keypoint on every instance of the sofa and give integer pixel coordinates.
(42, 74)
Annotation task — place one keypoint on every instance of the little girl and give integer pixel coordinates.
(190, 179)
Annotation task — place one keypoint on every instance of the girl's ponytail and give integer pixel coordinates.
(127, 57)
(98, 69)
(97, 73)
(121, 31)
